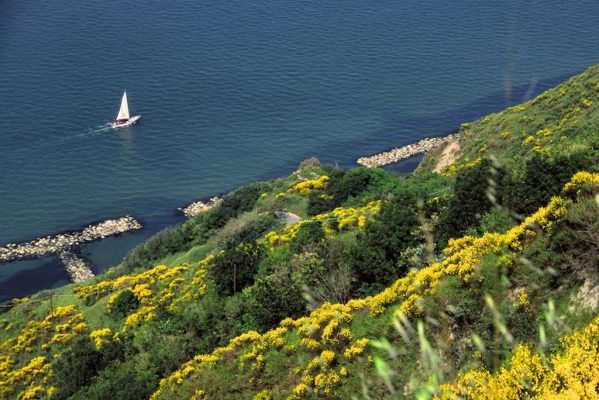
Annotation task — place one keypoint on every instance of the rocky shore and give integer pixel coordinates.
(199, 207)
(401, 153)
(55, 244)
(77, 267)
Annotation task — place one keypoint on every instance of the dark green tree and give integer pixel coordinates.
(125, 302)
(309, 233)
(234, 268)
(75, 367)
(470, 200)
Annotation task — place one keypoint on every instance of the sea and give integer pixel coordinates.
(237, 91)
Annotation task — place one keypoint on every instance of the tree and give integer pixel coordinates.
(76, 366)
(309, 233)
(125, 302)
(234, 268)
(543, 178)
(470, 199)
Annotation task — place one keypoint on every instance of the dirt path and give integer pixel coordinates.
(449, 155)
(289, 218)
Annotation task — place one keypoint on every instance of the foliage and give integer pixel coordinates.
(470, 199)
(319, 349)
(343, 186)
(122, 380)
(234, 268)
(75, 367)
(192, 232)
(240, 306)
(310, 233)
(544, 176)
(125, 302)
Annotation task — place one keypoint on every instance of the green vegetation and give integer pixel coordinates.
(435, 284)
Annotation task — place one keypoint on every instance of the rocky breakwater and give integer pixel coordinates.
(401, 153)
(199, 207)
(55, 244)
(77, 267)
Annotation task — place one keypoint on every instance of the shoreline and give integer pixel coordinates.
(64, 246)
(64, 241)
(197, 207)
(57, 243)
(401, 153)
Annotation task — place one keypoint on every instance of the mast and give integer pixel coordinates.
(124, 110)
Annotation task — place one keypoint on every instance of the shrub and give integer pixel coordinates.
(343, 186)
(309, 233)
(275, 297)
(124, 381)
(470, 199)
(125, 302)
(543, 177)
(192, 232)
(75, 367)
(234, 268)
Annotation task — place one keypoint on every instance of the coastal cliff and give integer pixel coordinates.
(475, 276)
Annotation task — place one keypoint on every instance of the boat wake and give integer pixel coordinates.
(47, 146)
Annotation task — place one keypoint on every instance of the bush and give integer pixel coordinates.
(543, 178)
(470, 200)
(344, 185)
(309, 233)
(125, 302)
(234, 204)
(234, 268)
(195, 231)
(76, 366)
(123, 381)
(276, 297)
(374, 258)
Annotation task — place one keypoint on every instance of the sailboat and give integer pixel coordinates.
(123, 119)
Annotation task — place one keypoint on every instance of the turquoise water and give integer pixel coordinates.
(237, 91)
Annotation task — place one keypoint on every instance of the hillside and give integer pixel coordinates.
(478, 281)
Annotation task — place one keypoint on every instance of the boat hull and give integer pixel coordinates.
(129, 122)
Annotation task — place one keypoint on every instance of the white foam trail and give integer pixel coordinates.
(51, 142)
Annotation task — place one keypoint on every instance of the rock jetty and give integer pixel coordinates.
(199, 207)
(77, 267)
(55, 244)
(401, 153)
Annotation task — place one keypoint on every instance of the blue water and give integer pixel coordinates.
(237, 91)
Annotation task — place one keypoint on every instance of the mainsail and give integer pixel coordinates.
(124, 111)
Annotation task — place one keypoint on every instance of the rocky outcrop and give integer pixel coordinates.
(55, 244)
(199, 207)
(77, 267)
(401, 153)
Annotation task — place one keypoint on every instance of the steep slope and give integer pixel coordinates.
(327, 354)
(419, 286)
(561, 122)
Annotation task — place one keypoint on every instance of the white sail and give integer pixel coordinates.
(124, 111)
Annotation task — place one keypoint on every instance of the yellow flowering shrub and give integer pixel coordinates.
(522, 303)
(356, 348)
(101, 337)
(307, 186)
(345, 218)
(324, 336)
(327, 357)
(583, 183)
(528, 140)
(263, 395)
(325, 382)
(27, 382)
(572, 374)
